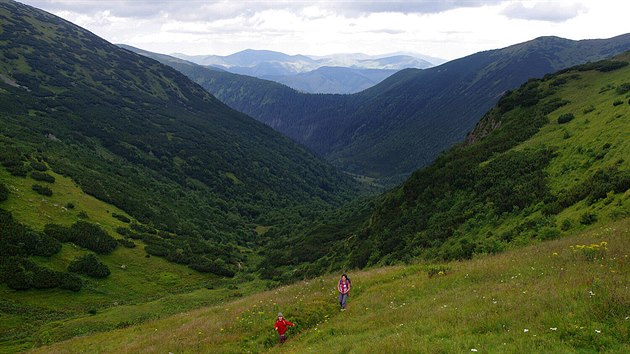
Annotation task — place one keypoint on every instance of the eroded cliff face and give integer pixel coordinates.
(484, 127)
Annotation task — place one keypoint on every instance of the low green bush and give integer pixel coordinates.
(43, 177)
(43, 190)
(89, 265)
(38, 166)
(84, 234)
(4, 192)
(121, 218)
(565, 118)
(71, 282)
(588, 218)
(92, 237)
(127, 242)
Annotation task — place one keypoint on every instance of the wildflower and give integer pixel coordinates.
(598, 331)
(473, 350)
(554, 328)
(555, 253)
(525, 330)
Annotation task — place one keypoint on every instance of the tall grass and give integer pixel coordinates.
(552, 297)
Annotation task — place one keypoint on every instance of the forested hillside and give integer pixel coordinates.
(141, 136)
(549, 159)
(404, 122)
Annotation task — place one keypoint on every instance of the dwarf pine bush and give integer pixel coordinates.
(89, 265)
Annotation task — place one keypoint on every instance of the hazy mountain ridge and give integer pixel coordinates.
(294, 64)
(352, 73)
(405, 121)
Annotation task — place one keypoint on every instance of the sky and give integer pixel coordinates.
(446, 29)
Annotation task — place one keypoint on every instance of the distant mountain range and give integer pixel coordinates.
(337, 73)
(404, 122)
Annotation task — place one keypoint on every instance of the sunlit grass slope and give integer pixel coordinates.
(562, 296)
(139, 287)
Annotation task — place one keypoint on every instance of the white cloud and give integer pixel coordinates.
(551, 11)
(447, 29)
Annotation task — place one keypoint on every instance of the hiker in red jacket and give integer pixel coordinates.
(281, 326)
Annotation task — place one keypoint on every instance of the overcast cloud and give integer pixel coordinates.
(447, 29)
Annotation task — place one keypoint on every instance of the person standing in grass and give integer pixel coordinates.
(343, 286)
(281, 326)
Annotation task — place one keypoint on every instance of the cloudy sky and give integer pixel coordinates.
(447, 29)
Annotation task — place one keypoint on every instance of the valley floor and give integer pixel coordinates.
(563, 296)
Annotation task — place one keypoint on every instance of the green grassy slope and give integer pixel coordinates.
(139, 287)
(563, 296)
(526, 177)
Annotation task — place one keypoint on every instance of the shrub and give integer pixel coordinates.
(70, 206)
(623, 88)
(588, 218)
(89, 265)
(42, 190)
(121, 218)
(156, 250)
(548, 233)
(551, 208)
(552, 105)
(45, 246)
(123, 231)
(36, 165)
(20, 170)
(217, 266)
(70, 282)
(61, 233)
(617, 103)
(84, 234)
(83, 215)
(4, 192)
(566, 224)
(565, 118)
(588, 109)
(92, 237)
(18, 273)
(43, 177)
(127, 242)
(44, 278)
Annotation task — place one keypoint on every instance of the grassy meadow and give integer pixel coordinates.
(139, 288)
(570, 295)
